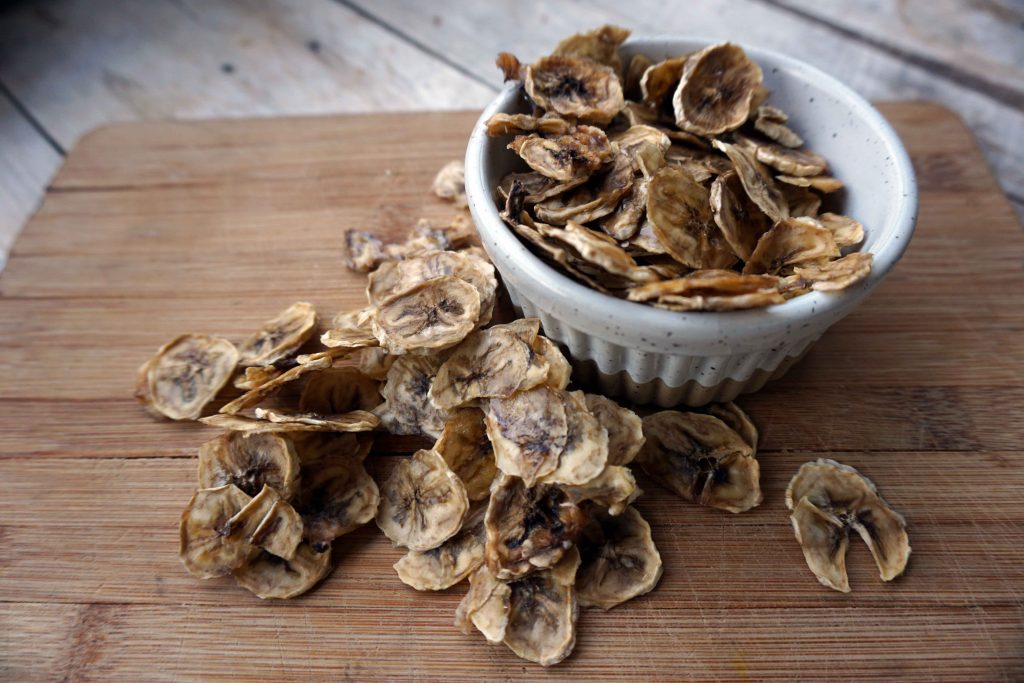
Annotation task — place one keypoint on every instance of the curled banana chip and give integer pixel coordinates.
(822, 183)
(485, 606)
(467, 450)
(337, 497)
(374, 362)
(828, 500)
(449, 563)
(600, 250)
(516, 124)
(771, 122)
(450, 183)
(581, 88)
(717, 90)
(254, 396)
(618, 560)
(585, 453)
(625, 429)
(600, 45)
(285, 424)
(613, 489)
(835, 275)
(529, 431)
(845, 231)
(422, 502)
(431, 316)
(756, 181)
(352, 330)
(542, 613)
(270, 523)
(407, 408)
(528, 528)
(793, 241)
(280, 337)
(271, 577)
(185, 375)
(660, 80)
(699, 458)
(559, 370)
(208, 546)
(792, 162)
(679, 210)
(742, 222)
(258, 375)
(352, 421)
(250, 462)
(573, 156)
(737, 420)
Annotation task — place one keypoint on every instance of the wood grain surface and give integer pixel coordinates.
(158, 228)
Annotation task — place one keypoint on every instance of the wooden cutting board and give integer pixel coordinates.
(154, 229)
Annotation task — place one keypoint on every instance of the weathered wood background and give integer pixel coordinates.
(67, 66)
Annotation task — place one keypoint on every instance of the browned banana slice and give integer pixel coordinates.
(256, 425)
(338, 496)
(528, 528)
(250, 461)
(711, 290)
(801, 201)
(699, 163)
(822, 183)
(644, 146)
(339, 390)
(431, 316)
(516, 124)
(771, 121)
(699, 458)
(567, 157)
(258, 375)
(600, 250)
(185, 375)
(491, 363)
(422, 502)
(846, 231)
(407, 408)
(280, 337)
(529, 431)
(600, 45)
(614, 489)
(485, 606)
(270, 523)
(625, 221)
(581, 88)
(828, 500)
(742, 222)
(592, 201)
(835, 275)
(352, 330)
(585, 454)
(318, 449)
(660, 80)
(737, 420)
(716, 90)
(618, 560)
(793, 162)
(625, 429)
(374, 362)
(449, 563)
(646, 243)
(559, 370)
(732, 302)
(536, 186)
(254, 396)
(450, 182)
(270, 577)
(352, 421)
(679, 210)
(635, 70)
(467, 450)
(792, 241)
(756, 181)
(208, 546)
(543, 612)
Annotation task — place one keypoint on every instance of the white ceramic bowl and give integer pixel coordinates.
(649, 355)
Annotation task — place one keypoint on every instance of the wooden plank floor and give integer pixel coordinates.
(68, 66)
(151, 229)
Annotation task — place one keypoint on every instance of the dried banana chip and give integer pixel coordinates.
(407, 408)
(581, 88)
(364, 251)
(352, 330)
(423, 503)
(712, 290)
(625, 221)
(450, 183)
(638, 65)
(742, 222)
(559, 370)
(737, 420)
(250, 461)
(646, 243)
(771, 122)
(644, 146)
(529, 431)
(600, 45)
(625, 429)
(618, 560)
(270, 523)
(542, 614)
(660, 80)
(793, 241)
(536, 187)
(822, 183)
(339, 390)
(254, 396)
(585, 453)
(592, 201)
(271, 577)
(485, 606)
(845, 231)
(528, 528)
(449, 563)
(567, 157)
(280, 337)
(516, 124)
(600, 250)
(699, 458)
(314, 447)
(801, 201)
(208, 546)
(260, 374)
(374, 362)
(679, 210)
(185, 375)
(793, 162)
(716, 90)
(835, 275)
(428, 317)
(338, 496)
(352, 421)
(756, 181)
(614, 489)
(467, 450)
(255, 425)
(828, 500)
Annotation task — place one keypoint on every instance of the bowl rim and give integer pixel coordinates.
(771, 321)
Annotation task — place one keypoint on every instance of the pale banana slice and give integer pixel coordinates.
(618, 560)
(566, 158)
(717, 90)
(756, 181)
(270, 523)
(185, 375)
(407, 408)
(338, 496)
(679, 210)
(529, 431)
(280, 337)
(625, 429)
(254, 396)
(468, 452)
(422, 502)
(485, 606)
(613, 489)
(271, 577)
(352, 421)
(737, 420)
(250, 461)
(793, 241)
(449, 563)
(594, 96)
(207, 547)
(600, 45)
(585, 454)
(543, 612)
(428, 317)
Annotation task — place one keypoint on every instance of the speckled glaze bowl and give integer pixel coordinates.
(649, 355)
